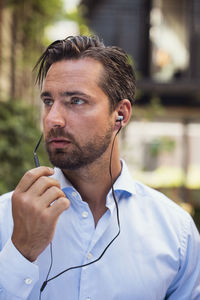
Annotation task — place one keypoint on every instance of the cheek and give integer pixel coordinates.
(97, 125)
(94, 122)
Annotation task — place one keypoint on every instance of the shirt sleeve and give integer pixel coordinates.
(18, 275)
(186, 284)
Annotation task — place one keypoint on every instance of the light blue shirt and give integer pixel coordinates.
(155, 257)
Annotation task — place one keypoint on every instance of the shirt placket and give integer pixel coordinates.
(86, 221)
(94, 252)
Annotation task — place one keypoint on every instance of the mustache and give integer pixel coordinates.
(59, 133)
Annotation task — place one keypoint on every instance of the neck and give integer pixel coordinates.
(93, 181)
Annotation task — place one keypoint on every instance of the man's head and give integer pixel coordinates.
(85, 88)
(118, 78)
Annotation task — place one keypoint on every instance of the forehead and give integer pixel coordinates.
(81, 72)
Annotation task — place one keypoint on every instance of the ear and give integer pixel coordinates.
(123, 109)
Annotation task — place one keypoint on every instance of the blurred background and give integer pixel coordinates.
(162, 38)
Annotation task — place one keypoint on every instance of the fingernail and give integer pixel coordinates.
(51, 170)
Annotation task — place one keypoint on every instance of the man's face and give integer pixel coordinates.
(78, 125)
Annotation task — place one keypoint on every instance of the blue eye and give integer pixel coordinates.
(48, 102)
(77, 101)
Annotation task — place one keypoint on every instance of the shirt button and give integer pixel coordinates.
(85, 214)
(28, 281)
(89, 255)
(74, 194)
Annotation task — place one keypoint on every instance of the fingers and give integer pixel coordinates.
(59, 206)
(31, 176)
(42, 184)
(37, 186)
(34, 217)
(51, 194)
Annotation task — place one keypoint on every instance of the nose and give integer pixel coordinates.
(55, 117)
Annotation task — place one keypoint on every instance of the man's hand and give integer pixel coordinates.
(34, 217)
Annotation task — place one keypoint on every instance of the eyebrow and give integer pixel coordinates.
(64, 94)
(72, 93)
(45, 94)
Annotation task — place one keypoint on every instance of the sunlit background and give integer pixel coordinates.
(162, 142)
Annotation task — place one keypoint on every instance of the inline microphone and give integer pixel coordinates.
(36, 160)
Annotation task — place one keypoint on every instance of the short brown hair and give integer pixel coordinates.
(118, 81)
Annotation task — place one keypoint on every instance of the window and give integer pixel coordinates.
(169, 38)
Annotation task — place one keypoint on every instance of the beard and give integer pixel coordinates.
(81, 154)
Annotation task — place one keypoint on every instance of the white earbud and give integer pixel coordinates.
(119, 118)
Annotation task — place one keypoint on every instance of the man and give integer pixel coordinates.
(65, 230)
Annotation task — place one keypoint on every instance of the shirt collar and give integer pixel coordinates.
(123, 183)
(58, 175)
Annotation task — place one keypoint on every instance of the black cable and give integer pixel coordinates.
(36, 160)
(118, 222)
(51, 264)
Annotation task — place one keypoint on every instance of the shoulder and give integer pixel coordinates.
(158, 218)
(164, 214)
(150, 205)
(170, 231)
(157, 201)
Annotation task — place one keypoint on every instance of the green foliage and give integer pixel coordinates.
(18, 136)
(32, 17)
(162, 144)
(46, 10)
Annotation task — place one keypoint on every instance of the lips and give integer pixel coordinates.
(58, 142)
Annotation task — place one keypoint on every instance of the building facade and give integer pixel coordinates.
(163, 39)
